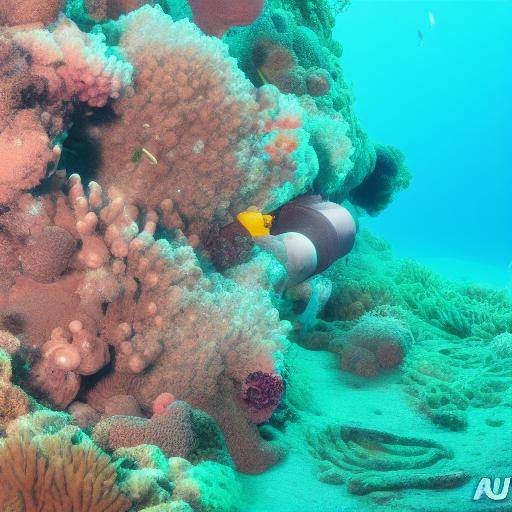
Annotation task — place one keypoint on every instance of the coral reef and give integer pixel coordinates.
(446, 379)
(434, 307)
(291, 46)
(147, 301)
(197, 133)
(370, 460)
(168, 372)
(459, 360)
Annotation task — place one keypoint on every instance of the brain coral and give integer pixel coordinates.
(214, 17)
(196, 132)
(375, 342)
(179, 431)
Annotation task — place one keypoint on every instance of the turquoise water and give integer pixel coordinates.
(445, 101)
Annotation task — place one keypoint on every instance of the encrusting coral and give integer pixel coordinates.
(214, 17)
(375, 343)
(14, 402)
(26, 12)
(179, 431)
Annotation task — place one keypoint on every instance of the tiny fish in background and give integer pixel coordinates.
(431, 19)
(420, 38)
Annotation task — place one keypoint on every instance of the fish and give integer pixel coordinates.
(431, 19)
(420, 37)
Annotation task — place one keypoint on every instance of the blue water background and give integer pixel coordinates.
(445, 102)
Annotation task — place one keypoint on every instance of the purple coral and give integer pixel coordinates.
(261, 393)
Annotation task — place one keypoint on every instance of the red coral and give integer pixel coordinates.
(215, 17)
(261, 393)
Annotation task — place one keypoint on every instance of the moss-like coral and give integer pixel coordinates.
(389, 175)
(434, 306)
(14, 402)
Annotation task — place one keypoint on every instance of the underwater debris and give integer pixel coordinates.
(152, 159)
(370, 460)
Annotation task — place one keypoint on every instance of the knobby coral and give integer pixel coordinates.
(172, 330)
(197, 133)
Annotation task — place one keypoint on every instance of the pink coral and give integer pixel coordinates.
(43, 74)
(23, 12)
(374, 344)
(215, 17)
(171, 330)
(24, 154)
(360, 361)
(197, 133)
(179, 431)
(48, 254)
(75, 64)
(161, 402)
(102, 9)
